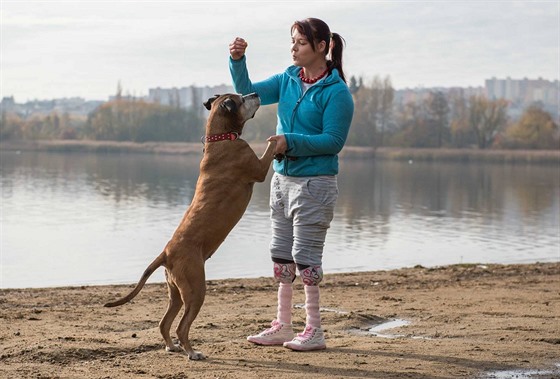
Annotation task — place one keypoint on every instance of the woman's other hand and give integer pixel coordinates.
(281, 145)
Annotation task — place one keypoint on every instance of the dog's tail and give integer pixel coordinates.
(159, 261)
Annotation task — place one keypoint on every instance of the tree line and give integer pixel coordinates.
(450, 120)
(117, 120)
(438, 120)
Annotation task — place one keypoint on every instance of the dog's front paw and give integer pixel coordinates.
(196, 356)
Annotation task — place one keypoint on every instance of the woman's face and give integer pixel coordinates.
(303, 54)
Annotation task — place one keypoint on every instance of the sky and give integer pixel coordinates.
(57, 49)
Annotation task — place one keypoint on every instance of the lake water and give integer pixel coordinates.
(79, 219)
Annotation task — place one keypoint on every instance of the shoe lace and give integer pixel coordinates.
(274, 327)
(307, 333)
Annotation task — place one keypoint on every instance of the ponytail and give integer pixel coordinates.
(335, 61)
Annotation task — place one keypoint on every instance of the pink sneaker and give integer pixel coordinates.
(311, 339)
(277, 334)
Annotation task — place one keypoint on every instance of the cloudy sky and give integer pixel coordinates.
(55, 49)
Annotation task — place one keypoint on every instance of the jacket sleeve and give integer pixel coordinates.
(268, 90)
(337, 118)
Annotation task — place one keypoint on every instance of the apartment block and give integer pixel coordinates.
(186, 97)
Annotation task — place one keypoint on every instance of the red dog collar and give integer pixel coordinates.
(232, 136)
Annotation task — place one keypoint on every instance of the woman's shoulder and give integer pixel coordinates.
(337, 91)
(292, 71)
(335, 83)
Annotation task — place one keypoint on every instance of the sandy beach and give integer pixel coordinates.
(467, 321)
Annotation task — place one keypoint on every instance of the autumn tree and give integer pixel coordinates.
(535, 129)
(10, 126)
(411, 121)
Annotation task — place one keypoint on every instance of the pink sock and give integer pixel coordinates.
(312, 306)
(285, 292)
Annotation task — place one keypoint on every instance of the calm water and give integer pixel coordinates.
(76, 219)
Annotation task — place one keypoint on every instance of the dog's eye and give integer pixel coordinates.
(230, 105)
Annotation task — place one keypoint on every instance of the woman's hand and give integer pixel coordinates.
(237, 48)
(281, 145)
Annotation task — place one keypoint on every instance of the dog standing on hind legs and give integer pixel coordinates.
(228, 170)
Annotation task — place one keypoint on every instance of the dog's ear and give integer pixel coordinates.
(208, 103)
(229, 104)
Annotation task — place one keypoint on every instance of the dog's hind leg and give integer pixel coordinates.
(173, 308)
(193, 292)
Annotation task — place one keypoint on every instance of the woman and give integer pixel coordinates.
(315, 110)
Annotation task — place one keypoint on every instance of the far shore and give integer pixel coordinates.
(349, 152)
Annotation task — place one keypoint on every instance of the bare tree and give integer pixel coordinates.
(438, 112)
(386, 109)
(486, 117)
(373, 106)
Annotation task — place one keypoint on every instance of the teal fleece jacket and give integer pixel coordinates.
(315, 123)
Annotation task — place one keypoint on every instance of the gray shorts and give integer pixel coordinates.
(302, 209)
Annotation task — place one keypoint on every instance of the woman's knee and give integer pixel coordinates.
(311, 275)
(284, 271)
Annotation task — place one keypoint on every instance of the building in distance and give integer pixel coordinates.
(187, 97)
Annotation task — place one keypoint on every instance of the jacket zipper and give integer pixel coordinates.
(293, 117)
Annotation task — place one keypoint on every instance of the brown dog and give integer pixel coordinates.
(228, 171)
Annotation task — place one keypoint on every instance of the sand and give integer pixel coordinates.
(464, 321)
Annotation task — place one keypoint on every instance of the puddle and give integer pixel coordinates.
(377, 330)
(524, 374)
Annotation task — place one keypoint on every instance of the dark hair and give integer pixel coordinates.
(315, 31)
